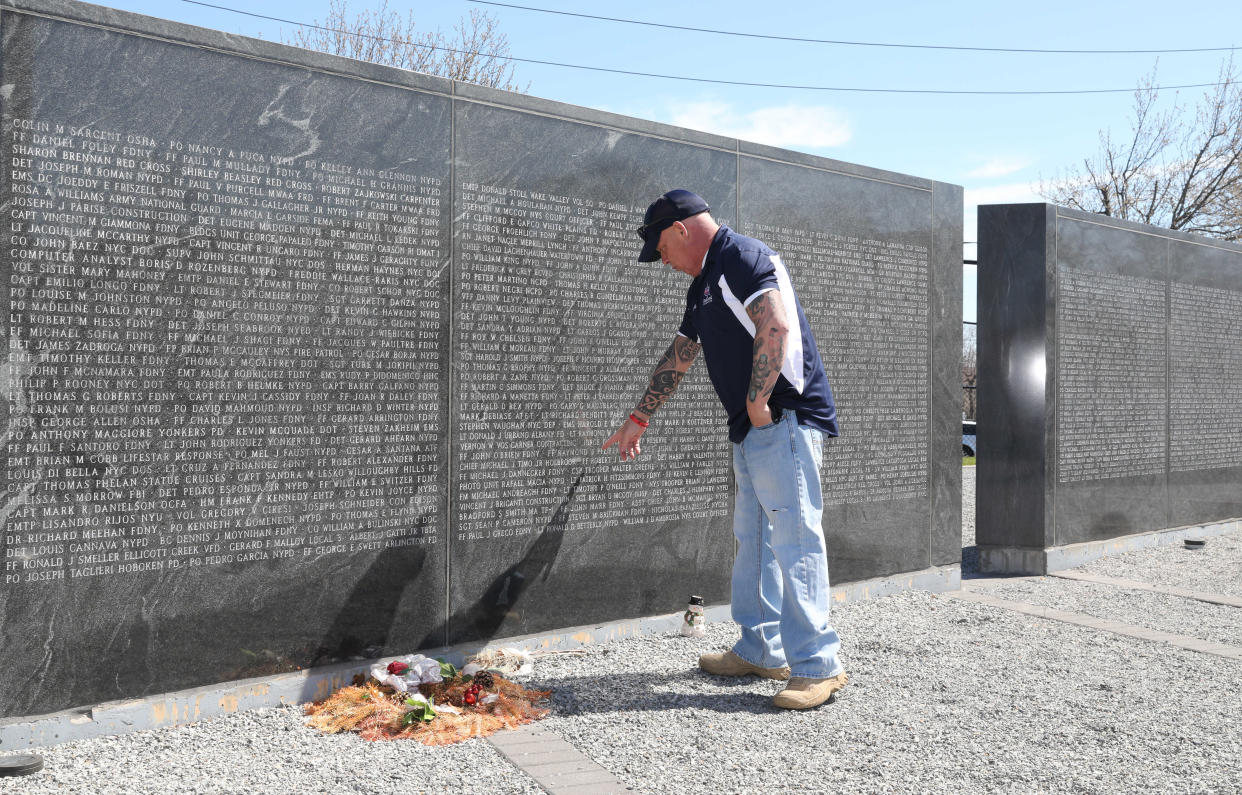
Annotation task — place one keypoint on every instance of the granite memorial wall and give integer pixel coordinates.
(310, 360)
(1110, 361)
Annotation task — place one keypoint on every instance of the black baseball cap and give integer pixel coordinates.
(676, 205)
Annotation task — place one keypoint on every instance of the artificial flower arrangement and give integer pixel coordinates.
(427, 700)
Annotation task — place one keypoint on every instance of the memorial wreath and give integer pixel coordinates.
(427, 700)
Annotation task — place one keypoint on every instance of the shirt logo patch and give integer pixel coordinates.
(707, 295)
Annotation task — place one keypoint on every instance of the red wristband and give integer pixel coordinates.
(639, 422)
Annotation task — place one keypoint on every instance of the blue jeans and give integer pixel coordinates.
(780, 575)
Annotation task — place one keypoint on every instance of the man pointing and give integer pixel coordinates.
(741, 311)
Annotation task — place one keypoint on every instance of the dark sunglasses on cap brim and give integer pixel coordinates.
(657, 226)
(660, 224)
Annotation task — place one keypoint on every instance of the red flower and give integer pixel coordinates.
(396, 667)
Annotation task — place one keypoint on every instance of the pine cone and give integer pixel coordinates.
(485, 679)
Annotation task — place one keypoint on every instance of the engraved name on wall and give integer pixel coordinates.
(866, 299)
(1205, 378)
(1111, 382)
(547, 359)
(216, 356)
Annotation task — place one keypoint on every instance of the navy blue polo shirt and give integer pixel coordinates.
(737, 270)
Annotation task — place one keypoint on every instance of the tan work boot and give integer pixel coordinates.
(804, 693)
(726, 663)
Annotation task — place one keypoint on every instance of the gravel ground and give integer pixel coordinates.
(1217, 568)
(1163, 612)
(266, 751)
(946, 696)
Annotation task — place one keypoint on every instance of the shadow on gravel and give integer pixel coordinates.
(970, 563)
(646, 692)
(970, 567)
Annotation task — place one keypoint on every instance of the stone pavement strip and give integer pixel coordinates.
(1201, 596)
(555, 765)
(1117, 627)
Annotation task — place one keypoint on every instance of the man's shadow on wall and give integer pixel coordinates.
(365, 620)
(364, 626)
(482, 619)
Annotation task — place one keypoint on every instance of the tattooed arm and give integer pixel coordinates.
(667, 375)
(767, 312)
(664, 380)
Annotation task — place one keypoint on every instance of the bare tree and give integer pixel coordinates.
(477, 53)
(1177, 170)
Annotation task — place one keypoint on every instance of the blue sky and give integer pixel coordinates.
(997, 147)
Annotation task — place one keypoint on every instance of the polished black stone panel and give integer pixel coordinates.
(1110, 355)
(227, 320)
(1205, 415)
(868, 262)
(556, 329)
(1015, 244)
(1108, 381)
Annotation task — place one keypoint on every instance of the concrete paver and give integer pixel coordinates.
(1121, 582)
(556, 765)
(1103, 624)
